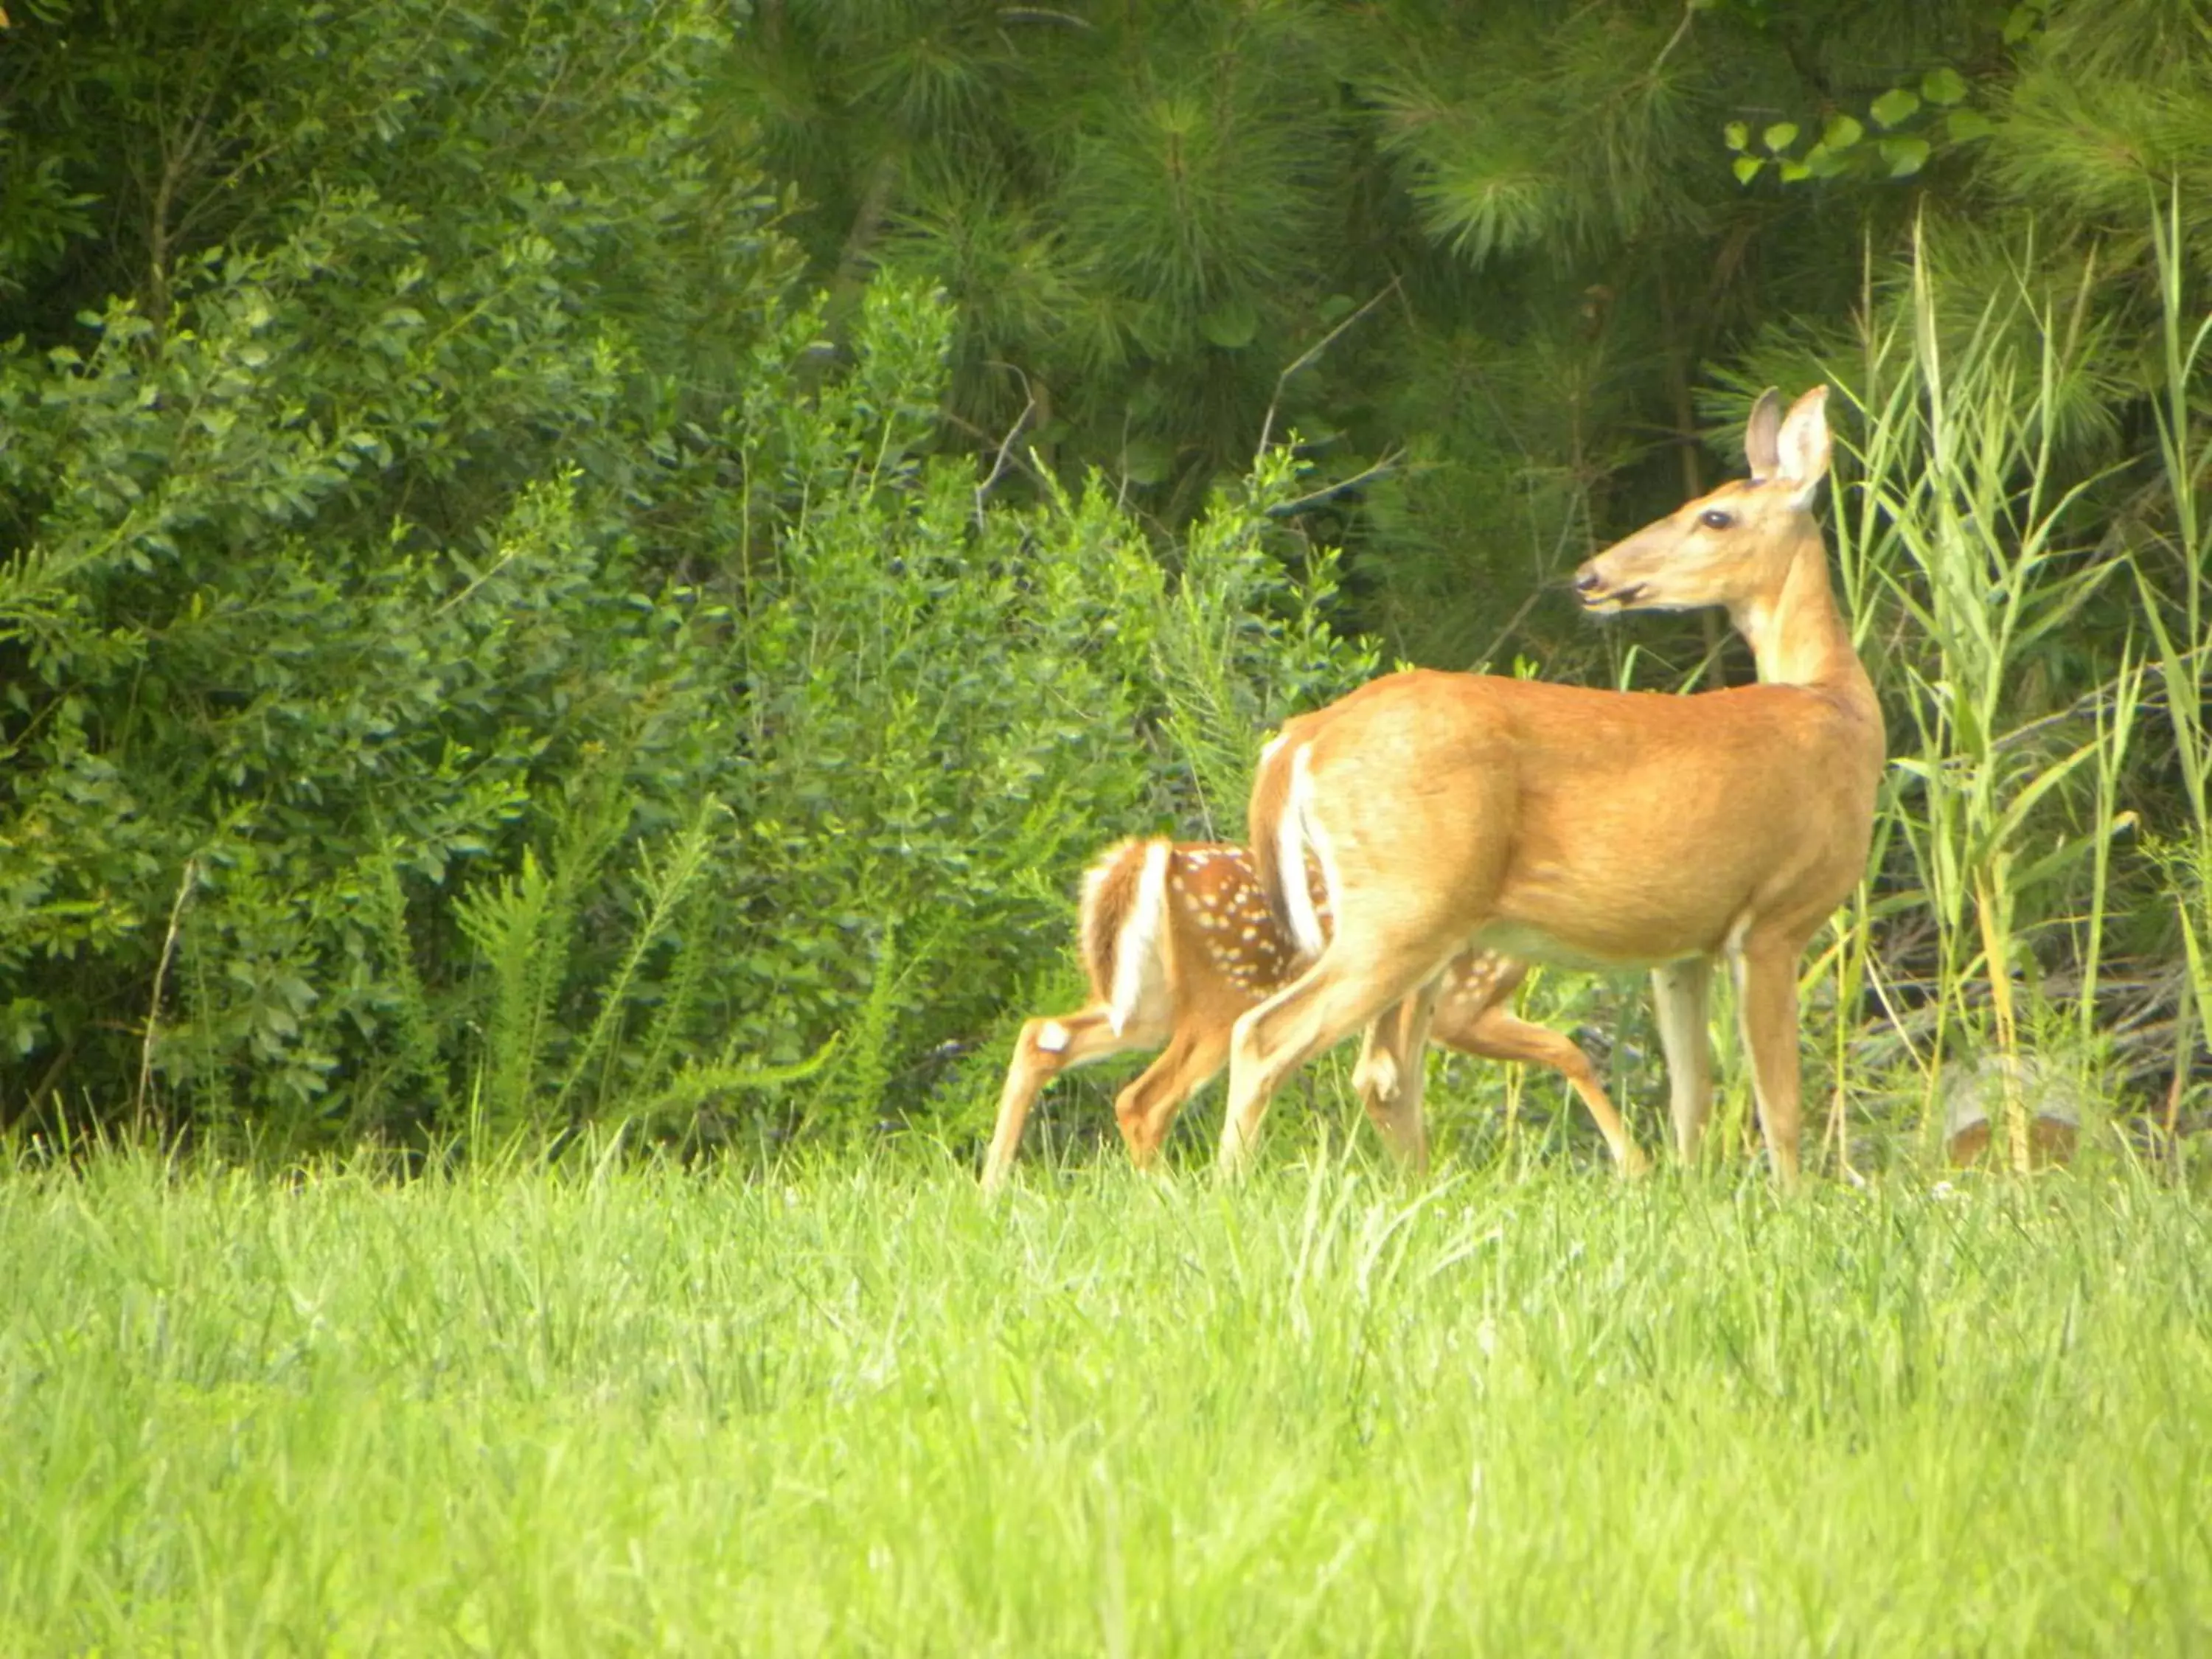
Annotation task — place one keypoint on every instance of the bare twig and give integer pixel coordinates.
(2088, 703)
(1306, 357)
(1381, 468)
(1490, 653)
(1018, 461)
(2096, 699)
(1042, 14)
(1006, 444)
(1673, 40)
(507, 555)
(154, 1002)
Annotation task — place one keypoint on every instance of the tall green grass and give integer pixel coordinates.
(1968, 542)
(2175, 616)
(856, 1410)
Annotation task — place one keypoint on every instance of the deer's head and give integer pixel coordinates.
(1734, 545)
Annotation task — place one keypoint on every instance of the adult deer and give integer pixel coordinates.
(1595, 828)
(1177, 941)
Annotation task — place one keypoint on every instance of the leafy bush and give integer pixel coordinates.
(475, 659)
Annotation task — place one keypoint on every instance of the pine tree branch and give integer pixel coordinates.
(1381, 468)
(1682, 28)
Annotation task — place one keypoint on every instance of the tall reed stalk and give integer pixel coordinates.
(2180, 631)
(1954, 523)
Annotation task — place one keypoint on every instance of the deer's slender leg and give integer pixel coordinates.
(1391, 1075)
(1766, 1012)
(1045, 1048)
(1683, 992)
(1345, 988)
(1377, 1074)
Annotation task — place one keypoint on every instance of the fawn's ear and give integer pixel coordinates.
(1759, 437)
(1801, 446)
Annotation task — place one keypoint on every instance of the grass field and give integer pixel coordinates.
(857, 1411)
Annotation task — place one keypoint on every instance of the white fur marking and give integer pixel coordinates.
(1136, 950)
(1053, 1037)
(1380, 1076)
(1291, 836)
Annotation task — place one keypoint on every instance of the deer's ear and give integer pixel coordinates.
(1759, 436)
(1801, 446)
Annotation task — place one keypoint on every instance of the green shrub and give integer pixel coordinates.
(564, 793)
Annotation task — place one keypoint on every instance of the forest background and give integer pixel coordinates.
(572, 565)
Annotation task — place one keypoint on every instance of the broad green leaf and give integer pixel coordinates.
(1230, 324)
(1896, 105)
(1779, 136)
(1965, 125)
(1793, 171)
(1146, 461)
(1736, 135)
(1745, 168)
(22, 1025)
(1942, 85)
(1842, 131)
(1906, 156)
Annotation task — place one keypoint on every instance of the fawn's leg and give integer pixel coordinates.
(1045, 1048)
(1499, 1034)
(1147, 1109)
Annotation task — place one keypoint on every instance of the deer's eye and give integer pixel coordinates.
(1714, 518)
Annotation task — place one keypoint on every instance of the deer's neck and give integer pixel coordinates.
(1796, 634)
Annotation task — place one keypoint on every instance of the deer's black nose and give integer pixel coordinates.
(1586, 581)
